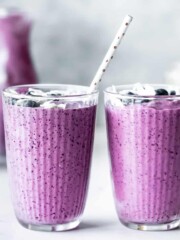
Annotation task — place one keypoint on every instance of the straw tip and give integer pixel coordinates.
(129, 17)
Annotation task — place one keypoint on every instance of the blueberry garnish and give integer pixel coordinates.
(139, 101)
(145, 100)
(161, 91)
(27, 103)
(54, 93)
(127, 101)
(130, 93)
(172, 92)
(31, 93)
(31, 104)
(13, 101)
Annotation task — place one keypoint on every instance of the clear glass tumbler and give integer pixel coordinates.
(49, 132)
(144, 147)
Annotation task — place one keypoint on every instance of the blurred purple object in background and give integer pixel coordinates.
(16, 66)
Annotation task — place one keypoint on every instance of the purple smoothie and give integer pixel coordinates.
(16, 66)
(144, 147)
(48, 155)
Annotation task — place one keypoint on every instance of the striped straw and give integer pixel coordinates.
(110, 53)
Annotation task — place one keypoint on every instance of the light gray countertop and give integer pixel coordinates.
(99, 220)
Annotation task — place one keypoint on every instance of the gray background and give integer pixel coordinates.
(71, 37)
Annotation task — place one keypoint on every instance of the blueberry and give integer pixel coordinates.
(30, 92)
(31, 103)
(127, 101)
(27, 103)
(130, 93)
(161, 91)
(54, 93)
(145, 100)
(139, 101)
(172, 92)
(13, 101)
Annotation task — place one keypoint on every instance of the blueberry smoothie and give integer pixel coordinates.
(144, 147)
(16, 66)
(49, 141)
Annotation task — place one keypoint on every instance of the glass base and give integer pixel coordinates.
(152, 227)
(51, 227)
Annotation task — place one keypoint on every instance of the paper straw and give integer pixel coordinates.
(109, 55)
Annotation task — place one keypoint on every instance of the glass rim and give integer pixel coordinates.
(8, 92)
(129, 87)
